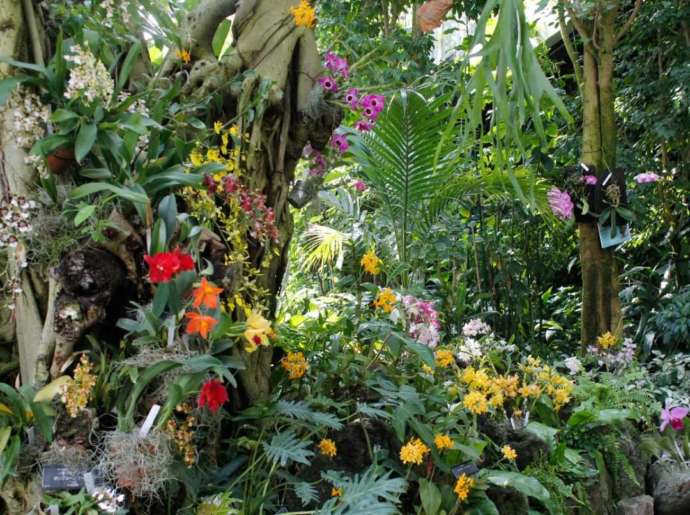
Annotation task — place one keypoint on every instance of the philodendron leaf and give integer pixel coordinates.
(527, 485)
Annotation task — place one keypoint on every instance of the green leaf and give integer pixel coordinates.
(221, 37)
(285, 447)
(527, 485)
(167, 210)
(8, 85)
(26, 66)
(430, 496)
(96, 187)
(5, 433)
(306, 492)
(84, 214)
(86, 137)
(300, 410)
(62, 115)
(127, 65)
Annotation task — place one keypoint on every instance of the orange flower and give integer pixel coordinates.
(206, 295)
(200, 324)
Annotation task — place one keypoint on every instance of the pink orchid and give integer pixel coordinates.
(339, 142)
(589, 180)
(360, 185)
(337, 65)
(352, 97)
(673, 416)
(328, 83)
(646, 178)
(375, 102)
(561, 204)
(364, 125)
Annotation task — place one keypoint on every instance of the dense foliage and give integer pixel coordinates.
(421, 353)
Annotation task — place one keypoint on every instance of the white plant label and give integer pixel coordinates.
(150, 419)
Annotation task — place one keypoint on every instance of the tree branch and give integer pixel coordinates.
(629, 22)
(578, 24)
(569, 47)
(36, 45)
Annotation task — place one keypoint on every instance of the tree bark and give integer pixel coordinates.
(601, 308)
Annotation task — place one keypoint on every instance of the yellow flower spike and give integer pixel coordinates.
(413, 452)
(509, 453)
(327, 447)
(444, 358)
(295, 363)
(443, 441)
(476, 403)
(463, 487)
(217, 127)
(336, 492)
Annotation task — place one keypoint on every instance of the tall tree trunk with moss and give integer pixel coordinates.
(270, 55)
(596, 22)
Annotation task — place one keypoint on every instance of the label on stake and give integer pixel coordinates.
(150, 419)
(89, 482)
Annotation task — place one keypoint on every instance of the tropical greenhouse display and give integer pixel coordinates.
(345, 257)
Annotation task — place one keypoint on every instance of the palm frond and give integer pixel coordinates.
(300, 410)
(323, 246)
(398, 159)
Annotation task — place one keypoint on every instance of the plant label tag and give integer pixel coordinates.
(59, 477)
(468, 468)
(89, 482)
(53, 509)
(608, 238)
(150, 419)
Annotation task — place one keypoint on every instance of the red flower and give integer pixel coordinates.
(166, 265)
(213, 394)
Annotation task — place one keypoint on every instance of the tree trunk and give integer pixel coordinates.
(601, 308)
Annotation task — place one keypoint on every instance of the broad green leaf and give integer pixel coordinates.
(86, 137)
(520, 482)
(49, 391)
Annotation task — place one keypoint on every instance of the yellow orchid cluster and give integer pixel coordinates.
(223, 153)
(371, 263)
(77, 392)
(304, 14)
(413, 452)
(183, 434)
(444, 358)
(327, 448)
(385, 300)
(487, 389)
(296, 364)
(607, 340)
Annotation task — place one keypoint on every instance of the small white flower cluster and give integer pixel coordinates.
(475, 328)
(30, 118)
(15, 220)
(109, 500)
(573, 364)
(615, 358)
(89, 78)
(469, 350)
(113, 11)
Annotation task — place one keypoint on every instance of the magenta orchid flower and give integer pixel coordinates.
(364, 125)
(360, 185)
(337, 65)
(352, 97)
(339, 142)
(329, 84)
(374, 102)
(673, 416)
(589, 180)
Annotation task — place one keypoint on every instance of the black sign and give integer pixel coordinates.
(60, 477)
(468, 468)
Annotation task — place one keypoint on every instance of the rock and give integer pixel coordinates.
(623, 484)
(639, 505)
(671, 487)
